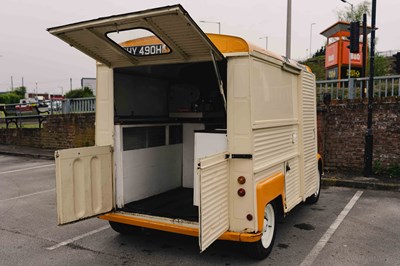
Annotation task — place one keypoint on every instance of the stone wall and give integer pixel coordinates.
(58, 132)
(341, 134)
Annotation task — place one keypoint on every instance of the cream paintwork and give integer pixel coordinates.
(104, 106)
(83, 183)
(270, 119)
(214, 191)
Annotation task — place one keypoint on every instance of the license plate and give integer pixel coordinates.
(153, 49)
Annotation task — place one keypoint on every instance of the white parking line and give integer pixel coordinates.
(69, 241)
(25, 169)
(331, 230)
(28, 195)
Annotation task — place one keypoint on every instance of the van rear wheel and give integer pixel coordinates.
(263, 247)
(315, 197)
(124, 229)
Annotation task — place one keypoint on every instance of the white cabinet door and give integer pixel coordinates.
(205, 144)
(84, 183)
(213, 210)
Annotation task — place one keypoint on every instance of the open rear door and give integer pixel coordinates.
(84, 183)
(155, 36)
(213, 209)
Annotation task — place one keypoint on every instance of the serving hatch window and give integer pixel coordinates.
(139, 42)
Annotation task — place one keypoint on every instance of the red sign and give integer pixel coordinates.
(336, 55)
(331, 55)
(356, 59)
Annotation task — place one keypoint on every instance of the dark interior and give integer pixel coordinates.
(186, 92)
(175, 204)
(169, 94)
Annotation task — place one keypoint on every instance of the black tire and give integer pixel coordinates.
(124, 229)
(315, 197)
(263, 247)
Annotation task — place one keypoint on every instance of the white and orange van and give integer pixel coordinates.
(196, 134)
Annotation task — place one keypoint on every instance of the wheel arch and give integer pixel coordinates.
(271, 189)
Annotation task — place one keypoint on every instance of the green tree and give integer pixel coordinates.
(20, 91)
(320, 52)
(317, 65)
(347, 15)
(9, 98)
(382, 66)
(80, 93)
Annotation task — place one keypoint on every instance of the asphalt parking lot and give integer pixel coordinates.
(346, 227)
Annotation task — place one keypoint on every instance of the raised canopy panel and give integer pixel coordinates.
(184, 41)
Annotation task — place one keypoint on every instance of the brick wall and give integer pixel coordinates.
(341, 133)
(59, 132)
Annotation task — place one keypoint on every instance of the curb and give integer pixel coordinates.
(38, 156)
(359, 184)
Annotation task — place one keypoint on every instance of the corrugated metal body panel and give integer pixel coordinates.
(213, 211)
(172, 24)
(292, 184)
(273, 95)
(239, 107)
(274, 145)
(84, 183)
(279, 168)
(309, 134)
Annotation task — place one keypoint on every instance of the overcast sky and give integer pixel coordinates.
(28, 51)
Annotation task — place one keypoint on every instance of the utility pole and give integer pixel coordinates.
(70, 84)
(23, 82)
(12, 83)
(288, 28)
(369, 137)
(311, 26)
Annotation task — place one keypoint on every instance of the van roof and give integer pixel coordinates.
(226, 44)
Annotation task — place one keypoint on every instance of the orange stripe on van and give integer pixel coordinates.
(228, 44)
(179, 229)
(224, 43)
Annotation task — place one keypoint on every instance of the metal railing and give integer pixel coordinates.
(78, 105)
(64, 106)
(385, 86)
(36, 112)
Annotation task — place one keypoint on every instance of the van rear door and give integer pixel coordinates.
(112, 41)
(213, 209)
(83, 182)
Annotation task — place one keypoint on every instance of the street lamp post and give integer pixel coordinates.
(213, 22)
(266, 41)
(312, 24)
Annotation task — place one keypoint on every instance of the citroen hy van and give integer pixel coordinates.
(196, 134)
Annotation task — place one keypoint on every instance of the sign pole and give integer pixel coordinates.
(364, 59)
(369, 135)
